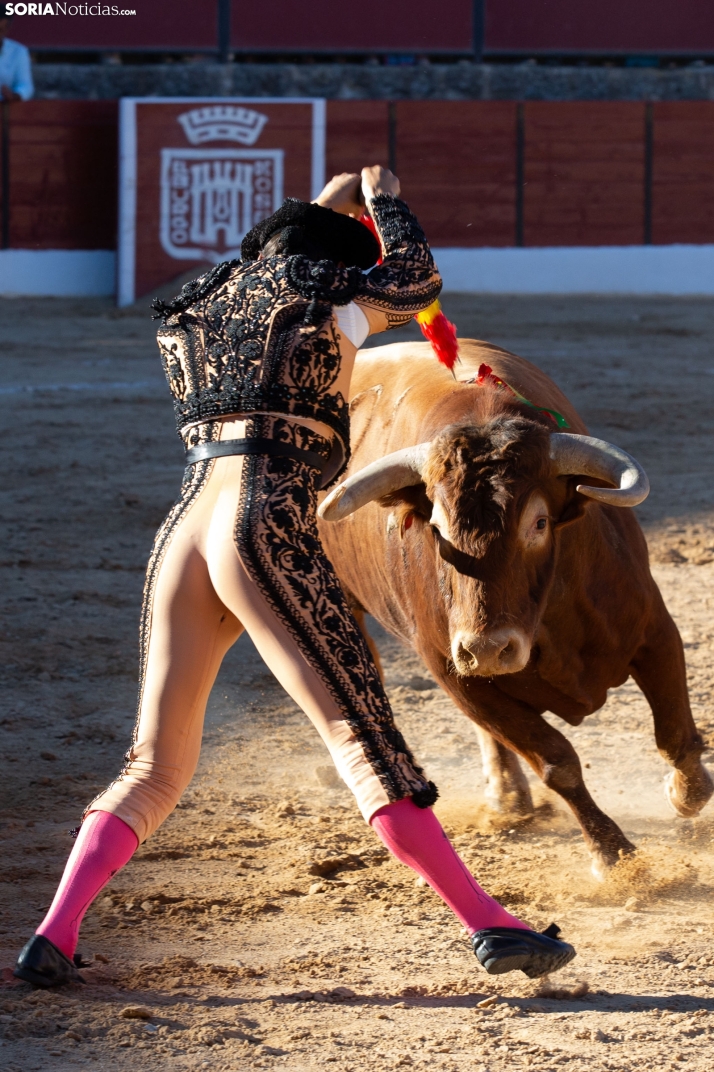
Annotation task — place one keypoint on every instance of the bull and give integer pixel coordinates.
(505, 552)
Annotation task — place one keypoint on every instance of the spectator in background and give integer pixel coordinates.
(15, 70)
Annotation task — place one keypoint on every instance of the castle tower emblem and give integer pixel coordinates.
(210, 198)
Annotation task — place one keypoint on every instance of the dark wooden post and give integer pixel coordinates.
(224, 31)
(479, 29)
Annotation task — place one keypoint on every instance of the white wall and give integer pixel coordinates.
(57, 272)
(596, 270)
(579, 270)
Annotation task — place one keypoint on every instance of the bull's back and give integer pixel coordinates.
(403, 391)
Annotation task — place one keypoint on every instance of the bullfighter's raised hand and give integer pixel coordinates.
(342, 194)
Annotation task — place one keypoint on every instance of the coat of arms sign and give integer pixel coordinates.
(210, 198)
(196, 175)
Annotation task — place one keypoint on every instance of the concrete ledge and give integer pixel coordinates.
(57, 272)
(579, 270)
(353, 81)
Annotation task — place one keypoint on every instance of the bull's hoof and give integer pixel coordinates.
(514, 803)
(603, 860)
(688, 792)
(599, 868)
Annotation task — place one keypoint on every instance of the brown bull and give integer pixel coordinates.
(496, 546)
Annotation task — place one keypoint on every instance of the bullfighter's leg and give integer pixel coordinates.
(507, 790)
(186, 631)
(274, 530)
(660, 671)
(551, 756)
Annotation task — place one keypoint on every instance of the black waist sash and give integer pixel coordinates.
(226, 447)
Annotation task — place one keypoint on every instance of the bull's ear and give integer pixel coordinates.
(573, 510)
(413, 498)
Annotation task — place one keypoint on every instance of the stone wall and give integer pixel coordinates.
(438, 81)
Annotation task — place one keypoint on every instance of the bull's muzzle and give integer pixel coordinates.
(501, 651)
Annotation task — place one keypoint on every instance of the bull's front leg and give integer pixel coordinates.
(507, 790)
(660, 671)
(550, 754)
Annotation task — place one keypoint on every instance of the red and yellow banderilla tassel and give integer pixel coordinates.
(441, 333)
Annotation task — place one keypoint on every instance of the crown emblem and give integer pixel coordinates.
(222, 122)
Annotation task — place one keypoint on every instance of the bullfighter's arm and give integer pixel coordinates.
(407, 280)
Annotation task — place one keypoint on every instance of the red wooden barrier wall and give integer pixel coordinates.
(657, 27)
(357, 131)
(529, 27)
(158, 25)
(457, 164)
(456, 161)
(584, 174)
(584, 168)
(683, 172)
(369, 26)
(63, 174)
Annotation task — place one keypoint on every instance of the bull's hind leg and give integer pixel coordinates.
(659, 670)
(507, 790)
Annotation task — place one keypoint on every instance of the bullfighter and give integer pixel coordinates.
(258, 354)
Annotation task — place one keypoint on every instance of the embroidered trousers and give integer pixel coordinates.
(240, 550)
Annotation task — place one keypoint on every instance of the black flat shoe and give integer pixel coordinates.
(43, 964)
(504, 949)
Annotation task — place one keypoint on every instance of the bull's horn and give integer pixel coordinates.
(397, 470)
(594, 457)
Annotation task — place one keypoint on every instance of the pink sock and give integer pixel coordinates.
(415, 836)
(104, 844)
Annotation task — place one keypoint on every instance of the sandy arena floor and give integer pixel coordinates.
(263, 926)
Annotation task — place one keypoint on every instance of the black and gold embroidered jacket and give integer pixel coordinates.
(260, 337)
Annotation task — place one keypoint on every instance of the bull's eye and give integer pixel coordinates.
(542, 523)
